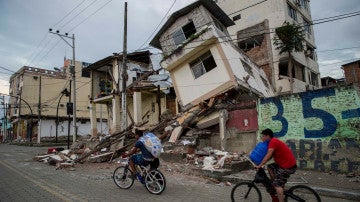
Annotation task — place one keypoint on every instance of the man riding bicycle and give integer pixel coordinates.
(285, 163)
(146, 156)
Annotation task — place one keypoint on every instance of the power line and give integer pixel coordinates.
(68, 13)
(159, 24)
(247, 7)
(6, 69)
(337, 49)
(78, 14)
(90, 16)
(320, 19)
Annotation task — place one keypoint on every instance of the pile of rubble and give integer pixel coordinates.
(171, 130)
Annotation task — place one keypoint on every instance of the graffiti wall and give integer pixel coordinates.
(321, 127)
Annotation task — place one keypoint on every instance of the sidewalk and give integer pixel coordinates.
(326, 184)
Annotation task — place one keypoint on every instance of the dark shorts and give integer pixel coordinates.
(139, 160)
(280, 174)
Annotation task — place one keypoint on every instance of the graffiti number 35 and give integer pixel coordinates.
(278, 116)
(329, 121)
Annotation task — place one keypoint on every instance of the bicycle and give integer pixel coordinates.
(153, 179)
(248, 191)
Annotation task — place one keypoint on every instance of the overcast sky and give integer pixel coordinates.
(98, 29)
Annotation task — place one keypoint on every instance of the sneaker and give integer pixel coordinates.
(140, 178)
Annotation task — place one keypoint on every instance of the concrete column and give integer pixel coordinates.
(116, 124)
(137, 107)
(18, 130)
(93, 120)
(223, 117)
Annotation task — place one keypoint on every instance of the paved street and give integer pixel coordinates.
(23, 179)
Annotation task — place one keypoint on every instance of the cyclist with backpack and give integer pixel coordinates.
(150, 147)
(284, 166)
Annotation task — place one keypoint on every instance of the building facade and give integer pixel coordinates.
(254, 31)
(352, 72)
(144, 99)
(38, 102)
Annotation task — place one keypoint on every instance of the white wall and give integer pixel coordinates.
(48, 128)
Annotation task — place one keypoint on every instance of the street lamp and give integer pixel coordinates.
(66, 93)
(72, 71)
(31, 118)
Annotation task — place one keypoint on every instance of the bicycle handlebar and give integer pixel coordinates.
(247, 158)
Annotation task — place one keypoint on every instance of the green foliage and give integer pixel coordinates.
(289, 37)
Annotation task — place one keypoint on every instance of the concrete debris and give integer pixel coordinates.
(179, 134)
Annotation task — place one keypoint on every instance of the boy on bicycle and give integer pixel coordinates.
(145, 157)
(285, 163)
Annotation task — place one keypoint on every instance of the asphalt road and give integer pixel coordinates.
(23, 179)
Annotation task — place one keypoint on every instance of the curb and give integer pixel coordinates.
(337, 193)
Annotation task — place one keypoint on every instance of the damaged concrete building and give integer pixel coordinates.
(145, 87)
(254, 31)
(216, 84)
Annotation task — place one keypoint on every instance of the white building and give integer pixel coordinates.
(202, 60)
(254, 30)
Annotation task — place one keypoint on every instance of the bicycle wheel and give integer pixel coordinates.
(245, 191)
(302, 193)
(155, 181)
(123, 177)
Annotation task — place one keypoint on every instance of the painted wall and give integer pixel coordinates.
(322, 127)
(48, 128)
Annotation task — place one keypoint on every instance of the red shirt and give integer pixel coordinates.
(282, 155)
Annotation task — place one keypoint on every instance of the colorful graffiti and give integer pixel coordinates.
(321, 126)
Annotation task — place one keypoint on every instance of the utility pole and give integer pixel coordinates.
(39, 113)
(124, 74)
(69, 120)
(72, 71)
(4, 118)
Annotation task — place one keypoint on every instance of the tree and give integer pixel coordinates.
(289, 38)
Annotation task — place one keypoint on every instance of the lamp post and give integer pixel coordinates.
(66, 93)
(31, 112)
(72, 71)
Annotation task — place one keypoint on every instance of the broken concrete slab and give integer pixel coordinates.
(176, 134)
(101, 157)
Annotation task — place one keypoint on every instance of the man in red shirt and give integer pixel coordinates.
(285, 162)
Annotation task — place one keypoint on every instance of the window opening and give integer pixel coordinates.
(203, 64)
(283, 68)
(251, 43)
(292, 12)
(307, 26)
(310, 52)
(314, 79)
(184, 33)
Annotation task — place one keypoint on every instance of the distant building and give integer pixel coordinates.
(35, 91)
(352, 72)
(255, 23)
(329, 81)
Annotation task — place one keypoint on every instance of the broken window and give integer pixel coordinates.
(307, 26)
(314, 79)
(203, 64)
(310, 52)
(283, 68)
(299, 72)
(252, 42)
(184, 33)
(292, 12)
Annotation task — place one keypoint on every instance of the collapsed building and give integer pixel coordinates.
(216, 85)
